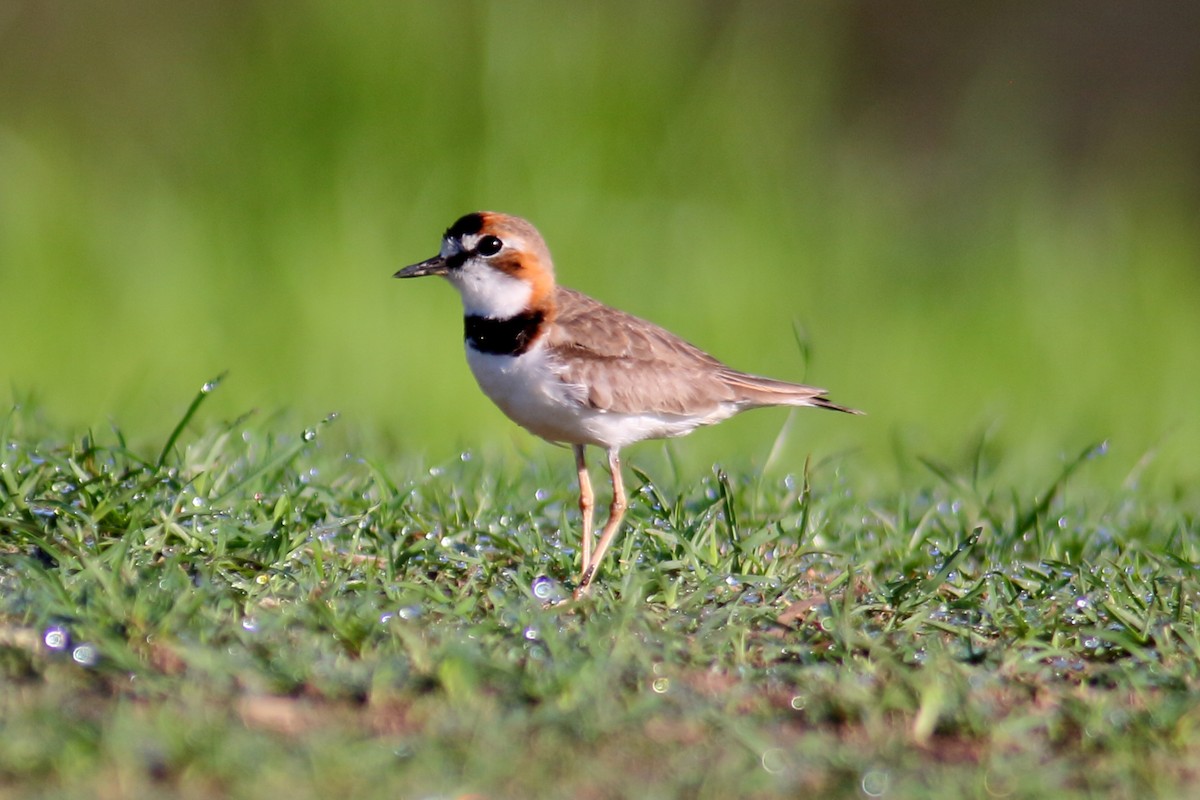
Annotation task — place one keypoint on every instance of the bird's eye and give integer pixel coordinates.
(489, 246)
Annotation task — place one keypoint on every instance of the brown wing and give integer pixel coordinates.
(630, 365)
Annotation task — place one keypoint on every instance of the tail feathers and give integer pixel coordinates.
(759, 391)
(821, 401)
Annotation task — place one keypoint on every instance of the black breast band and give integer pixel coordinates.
(502, 337)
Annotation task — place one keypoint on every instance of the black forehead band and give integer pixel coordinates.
(465, 226)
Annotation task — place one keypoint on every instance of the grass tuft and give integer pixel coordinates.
(255, 609)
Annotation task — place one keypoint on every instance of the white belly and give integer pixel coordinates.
(527, 388)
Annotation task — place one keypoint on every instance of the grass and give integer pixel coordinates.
(254, 611)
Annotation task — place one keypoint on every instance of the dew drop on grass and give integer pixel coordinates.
(797, 703)
(85, 655)
(43, 511)
(545, 588)
(661, 685)
(875, 783)
(531, 633)
(250, 624)
(774, 760)
(56, 638)
(409, 612)
(996, 784)
(310, 434)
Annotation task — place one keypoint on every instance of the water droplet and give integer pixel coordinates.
(310, 434)
(43, 511)
(1083, 602)
(250, 624)
(531, 633)
(996, 784)
(85, 655)
(774, 760)
(661, 685)
(198, 502)
(409, 612)
(465, 456)
(797, 703)
(875, 783)
(545, 588)
(56, 638)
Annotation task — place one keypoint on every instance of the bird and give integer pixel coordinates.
(577, 372)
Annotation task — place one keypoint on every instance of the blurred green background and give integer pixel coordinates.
(983, 217)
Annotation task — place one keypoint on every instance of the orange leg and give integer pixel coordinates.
(586, 504)
(615, 512)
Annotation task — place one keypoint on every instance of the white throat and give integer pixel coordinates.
(487, 292)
